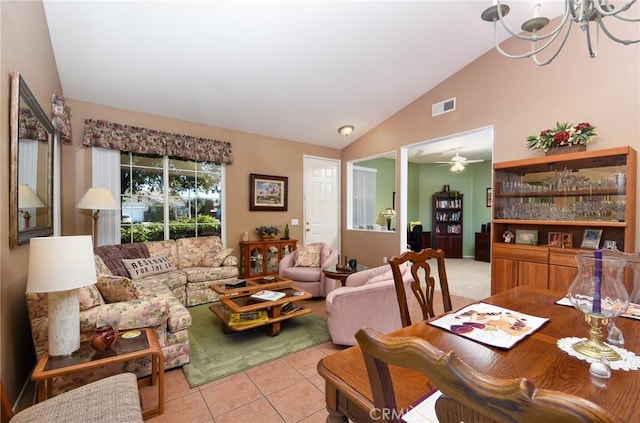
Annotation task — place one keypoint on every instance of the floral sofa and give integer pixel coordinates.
(162, 279)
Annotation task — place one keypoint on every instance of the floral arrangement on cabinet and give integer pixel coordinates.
(564, 134)
(268, 231)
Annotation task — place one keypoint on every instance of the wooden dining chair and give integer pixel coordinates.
(467, 394)
(420, 261)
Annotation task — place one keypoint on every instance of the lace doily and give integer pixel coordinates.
(628, 360)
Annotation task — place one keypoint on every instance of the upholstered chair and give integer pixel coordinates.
(367, 299)
(304, 267)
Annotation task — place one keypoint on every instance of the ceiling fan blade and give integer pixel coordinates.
(443, 162)
(474, 161)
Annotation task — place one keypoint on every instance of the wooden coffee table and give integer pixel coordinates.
(252, 284)
(237, 300)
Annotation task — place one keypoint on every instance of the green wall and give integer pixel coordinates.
(426, 179)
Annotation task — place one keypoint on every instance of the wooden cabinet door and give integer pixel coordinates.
(533, 274)
(441, 242)
(504, 274)
(455, 246)
(561, 277)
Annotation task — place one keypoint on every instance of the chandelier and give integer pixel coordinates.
(582, 12)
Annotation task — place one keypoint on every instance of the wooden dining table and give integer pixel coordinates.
(536, 358)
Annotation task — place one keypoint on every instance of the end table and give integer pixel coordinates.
(125, 349)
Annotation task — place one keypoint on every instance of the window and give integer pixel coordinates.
(364, 197)
(167, 198)
(371, 186)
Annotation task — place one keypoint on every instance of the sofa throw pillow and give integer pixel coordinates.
(89, 297)
(116, 288)
(141, 267)
(308, 256)
(215, 258)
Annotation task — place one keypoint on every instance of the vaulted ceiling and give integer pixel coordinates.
(295, 70)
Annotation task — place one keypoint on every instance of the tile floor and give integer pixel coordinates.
(288, 389)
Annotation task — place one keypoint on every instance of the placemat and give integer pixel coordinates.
(490, 324)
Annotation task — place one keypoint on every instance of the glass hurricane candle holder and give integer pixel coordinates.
(598, 292)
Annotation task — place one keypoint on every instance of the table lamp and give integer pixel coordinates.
(388, 214)
(27, 199)
(97, 199)
(59, 266)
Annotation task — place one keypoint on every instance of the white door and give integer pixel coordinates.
(321, 201)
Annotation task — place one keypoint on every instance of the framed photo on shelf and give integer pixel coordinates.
(554, 239)
(268, 193)
(591, 238)
(609, 244)
(567, 240)
(527, 236)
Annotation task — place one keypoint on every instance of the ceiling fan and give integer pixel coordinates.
(458, 163)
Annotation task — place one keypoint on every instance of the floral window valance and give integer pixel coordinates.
(29, 127)
(115, 136)
(61, 117)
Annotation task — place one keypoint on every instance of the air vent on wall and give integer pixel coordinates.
(443, 107)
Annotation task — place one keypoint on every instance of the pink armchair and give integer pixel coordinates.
(367, 299)
(309, 278)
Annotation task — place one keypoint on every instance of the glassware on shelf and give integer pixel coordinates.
(598, 292)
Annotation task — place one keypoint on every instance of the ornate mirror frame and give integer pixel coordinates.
(34, 169)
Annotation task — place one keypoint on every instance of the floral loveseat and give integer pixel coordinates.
(162, 278)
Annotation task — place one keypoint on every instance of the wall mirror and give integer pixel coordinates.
(31, 166)
(371, 188)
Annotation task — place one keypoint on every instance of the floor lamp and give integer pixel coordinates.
(97, 199)
(59, 266)
(27, 199)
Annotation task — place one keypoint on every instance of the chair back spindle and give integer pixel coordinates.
(419, 261)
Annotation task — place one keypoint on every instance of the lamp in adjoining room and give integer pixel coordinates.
(388, 214)
(97, 199)
(27, 199)
(590, 15)
(59, 266)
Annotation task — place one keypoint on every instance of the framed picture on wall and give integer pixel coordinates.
(488, 197)
(268, 193)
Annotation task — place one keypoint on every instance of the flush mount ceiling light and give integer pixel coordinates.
(346, 130)
(582, 12)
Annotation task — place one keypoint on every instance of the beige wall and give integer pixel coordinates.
(515, 96)
(518, 99)
(25, 47)
(251, 154)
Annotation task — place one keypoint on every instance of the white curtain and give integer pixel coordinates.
(106, 174)
(364, 197)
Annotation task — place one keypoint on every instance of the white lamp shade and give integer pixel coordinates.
(98, 199)
(60, 263)
(27, 198)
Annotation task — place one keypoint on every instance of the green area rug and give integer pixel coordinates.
(215, 354)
